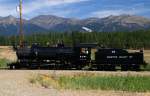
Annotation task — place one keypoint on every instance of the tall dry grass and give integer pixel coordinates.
(94, 82)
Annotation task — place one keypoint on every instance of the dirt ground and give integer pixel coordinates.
(16, 83)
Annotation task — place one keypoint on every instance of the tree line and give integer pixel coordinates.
(128, 40)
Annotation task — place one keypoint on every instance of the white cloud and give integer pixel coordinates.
(5, 10)
(136, 9)
(33, 5)
(38, 4)
(105, 13)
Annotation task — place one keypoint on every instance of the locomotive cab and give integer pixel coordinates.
(84, 53)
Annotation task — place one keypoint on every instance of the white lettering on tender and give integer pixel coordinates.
(108, 57)
(120, 57)
(123, 57)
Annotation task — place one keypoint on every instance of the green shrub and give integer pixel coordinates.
(3, 63)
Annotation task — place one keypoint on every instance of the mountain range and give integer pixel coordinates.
(46, 23)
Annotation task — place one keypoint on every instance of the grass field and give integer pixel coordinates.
(7, 55)
(147, 56)
(147, 59)
(95, 82)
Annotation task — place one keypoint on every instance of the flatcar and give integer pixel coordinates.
(80, 56)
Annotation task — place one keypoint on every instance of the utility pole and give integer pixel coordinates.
(21, 36)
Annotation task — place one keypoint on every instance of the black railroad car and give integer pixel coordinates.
(109, 58)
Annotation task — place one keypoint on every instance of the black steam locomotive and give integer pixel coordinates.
(80, 56)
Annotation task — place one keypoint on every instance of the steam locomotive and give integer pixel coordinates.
(80, 56)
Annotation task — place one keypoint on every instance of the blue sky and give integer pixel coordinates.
(76, 8)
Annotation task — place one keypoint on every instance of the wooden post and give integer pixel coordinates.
(21, 36)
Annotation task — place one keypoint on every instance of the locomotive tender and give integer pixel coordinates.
(80, 56)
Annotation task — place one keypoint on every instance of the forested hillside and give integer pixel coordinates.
(129, 40)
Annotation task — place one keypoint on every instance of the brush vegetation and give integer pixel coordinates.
(3, 63)
(95, 82)
(122, 83)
